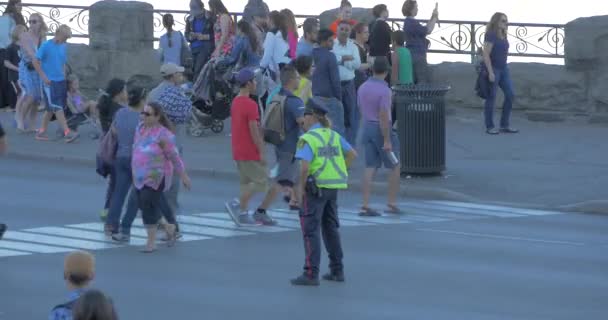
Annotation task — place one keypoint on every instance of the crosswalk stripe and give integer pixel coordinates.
(32, 247)
(369, 220)
(215, 232)
(81, 231)
(53, 240)
(343, 222)
(12, 253)
(71, 233)
(140, 231)
(412, 209)
(531, 212)
(448, 208)
(222, 220)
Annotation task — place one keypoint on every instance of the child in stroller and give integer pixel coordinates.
(212, 95)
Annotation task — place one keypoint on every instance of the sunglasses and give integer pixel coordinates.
(146, 114)
(33, 21)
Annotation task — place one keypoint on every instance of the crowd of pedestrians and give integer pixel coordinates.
(331, 93)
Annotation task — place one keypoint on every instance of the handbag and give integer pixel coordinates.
(108, 147)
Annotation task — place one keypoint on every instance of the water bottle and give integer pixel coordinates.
(393, 158)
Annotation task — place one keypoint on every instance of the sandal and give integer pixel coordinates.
(369, 212)
(393, 209)
(147, 250)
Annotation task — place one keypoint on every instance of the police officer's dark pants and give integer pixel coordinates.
(320, 215)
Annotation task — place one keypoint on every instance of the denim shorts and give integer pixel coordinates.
(373, 141)
(56, 95)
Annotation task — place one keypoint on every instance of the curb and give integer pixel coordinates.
(378, 188)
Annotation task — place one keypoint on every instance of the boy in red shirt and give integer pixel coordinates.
(248, 152)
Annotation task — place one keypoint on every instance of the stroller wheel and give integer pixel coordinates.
(217, 126)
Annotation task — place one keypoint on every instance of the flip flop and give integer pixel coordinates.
(368, 212)
(393, 209)
(146, 250)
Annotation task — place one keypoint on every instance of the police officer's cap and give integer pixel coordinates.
(314, 106)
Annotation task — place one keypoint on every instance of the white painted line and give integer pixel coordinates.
(287, 223)
(32, 247)
(411, 209)
(493, 236)
(209, 231)
(531, 212)
(343, 222)
(72, 233)
(52, 240)
(226, 222)
(95, 226)
(448, 208)
(354, 216)
(12, 253)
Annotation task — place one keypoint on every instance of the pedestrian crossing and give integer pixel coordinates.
(218, 225)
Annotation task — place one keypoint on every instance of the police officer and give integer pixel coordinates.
(324, 156)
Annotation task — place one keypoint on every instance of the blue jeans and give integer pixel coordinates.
(351, 112)
(124, 180)
(503, 80)
(335, 114)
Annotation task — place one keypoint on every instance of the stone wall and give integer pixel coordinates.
(577, 88)
(121, 45)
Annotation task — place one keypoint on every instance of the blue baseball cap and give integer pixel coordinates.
(244, 76)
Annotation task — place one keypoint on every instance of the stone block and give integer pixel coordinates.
(121, 25)
(541, 86)
(537, 87)
(359, 14)
(96, 67)
(586, 42)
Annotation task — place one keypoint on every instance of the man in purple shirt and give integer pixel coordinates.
(379, 139)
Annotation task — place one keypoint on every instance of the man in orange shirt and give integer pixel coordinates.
(345, 13)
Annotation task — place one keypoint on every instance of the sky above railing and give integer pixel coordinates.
(529, 11)
(542, 11)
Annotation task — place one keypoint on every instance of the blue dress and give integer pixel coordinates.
(30, 80)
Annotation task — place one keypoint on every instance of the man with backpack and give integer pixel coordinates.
(78, 272)
(282, 122)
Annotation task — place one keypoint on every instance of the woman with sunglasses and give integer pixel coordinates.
(495, 53)
(123, 128)
(154, 158)
(26, 110)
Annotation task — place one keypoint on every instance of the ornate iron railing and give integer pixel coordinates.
(532, 40)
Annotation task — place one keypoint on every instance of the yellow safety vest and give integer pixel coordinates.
(328, 166)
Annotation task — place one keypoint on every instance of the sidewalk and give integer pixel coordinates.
(549, 165)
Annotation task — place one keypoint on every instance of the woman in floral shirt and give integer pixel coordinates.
(224, 29)
(154, 158)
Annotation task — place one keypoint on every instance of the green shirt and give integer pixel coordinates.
(406, 74)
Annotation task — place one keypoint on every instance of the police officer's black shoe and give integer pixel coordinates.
(303, 280)
(337, 277)
(2, 229)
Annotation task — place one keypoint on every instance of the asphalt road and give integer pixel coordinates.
(439, 261)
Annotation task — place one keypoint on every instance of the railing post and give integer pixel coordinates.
(473, 43)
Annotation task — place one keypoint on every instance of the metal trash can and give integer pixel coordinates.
(421, 127)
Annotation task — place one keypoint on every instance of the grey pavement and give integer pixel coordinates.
(547, 165)
(441, 260)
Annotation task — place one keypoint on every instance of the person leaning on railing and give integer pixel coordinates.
(415, 37)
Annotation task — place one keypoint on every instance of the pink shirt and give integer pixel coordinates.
(154, 157)
(293, 43)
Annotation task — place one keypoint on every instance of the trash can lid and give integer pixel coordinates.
(426, 90)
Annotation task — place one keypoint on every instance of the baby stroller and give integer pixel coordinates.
(212, 95)
(76, 119)
(200, 121)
